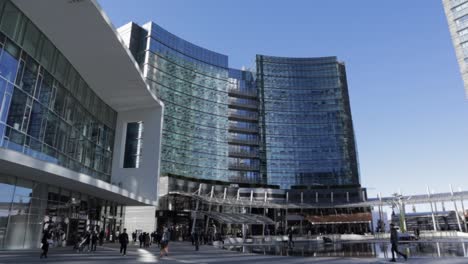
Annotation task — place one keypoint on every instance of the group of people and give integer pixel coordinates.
(145, 240)
(88, 241)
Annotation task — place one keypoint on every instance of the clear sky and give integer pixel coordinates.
(407, 99)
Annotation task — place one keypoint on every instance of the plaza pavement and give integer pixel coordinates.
(183, 252)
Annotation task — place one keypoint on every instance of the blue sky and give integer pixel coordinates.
(409, 109)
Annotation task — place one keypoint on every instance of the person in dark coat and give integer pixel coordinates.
(94, 240)
(101, 237)
(290, 237)
(141, 238)
(123, 240)
(196, 240)
(45, 244)
(394, 242)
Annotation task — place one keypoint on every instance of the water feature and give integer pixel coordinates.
(367, 249)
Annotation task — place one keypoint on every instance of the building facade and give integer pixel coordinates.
(306, 126)
(287, 123)
(457, 18)
(83, 142)
(282, 131)
(71, 126)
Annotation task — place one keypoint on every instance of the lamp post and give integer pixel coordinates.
(399, 202)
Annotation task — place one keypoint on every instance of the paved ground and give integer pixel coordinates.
(183, 252)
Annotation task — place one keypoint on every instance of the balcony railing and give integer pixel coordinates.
(250, 142)
(243, 154)
(242, 104)
(233, 115)
(246, 93)
(235, 128)
(235, 166)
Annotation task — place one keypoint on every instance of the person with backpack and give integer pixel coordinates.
(164, 243)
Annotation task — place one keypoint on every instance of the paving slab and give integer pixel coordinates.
(184, 252)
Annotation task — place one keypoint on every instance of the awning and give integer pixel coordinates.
(235, 218)
(340, 218)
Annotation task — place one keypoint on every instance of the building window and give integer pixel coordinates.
(133, 145)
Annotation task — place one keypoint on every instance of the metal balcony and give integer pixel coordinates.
(237, 103)
(241, 117)
(243, 154)
(249, 142)
(243, 167)
(243, 93)
(234, 128)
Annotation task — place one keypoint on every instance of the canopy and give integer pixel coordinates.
(236, 218)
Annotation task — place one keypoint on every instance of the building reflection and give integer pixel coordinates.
(28, 208)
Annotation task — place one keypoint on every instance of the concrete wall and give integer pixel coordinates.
(142, 180)
(140, 218)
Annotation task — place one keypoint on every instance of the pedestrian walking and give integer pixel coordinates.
(164, 243)
(45, 244)
(94, 240)
(134, 236)
(101, 237)
(147, 240)
(196, 240)
(290, 237)
(394, 242)
(141, 239)
(123, 240)
(85, 242)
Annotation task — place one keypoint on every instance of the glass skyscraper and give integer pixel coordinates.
(457, 18)
(286, 123)
(306, 126)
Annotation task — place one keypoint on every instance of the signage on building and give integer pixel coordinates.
(79, 216)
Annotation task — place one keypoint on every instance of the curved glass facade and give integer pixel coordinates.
(192, 82)
(287, 125)
(47, 110)
(306, 126)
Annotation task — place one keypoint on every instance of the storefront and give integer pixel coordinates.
(28, 208)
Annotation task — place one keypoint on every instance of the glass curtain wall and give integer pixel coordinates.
(306, 126)
(192, 82)
(47, 111)
(27, 208)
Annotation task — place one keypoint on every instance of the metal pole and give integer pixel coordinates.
(264, 213)
(196, 208)
(302, 215)
(286, 214)
(432, 209)
(380, 212)
(207, 224)
(463, 208)
(456, 210)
